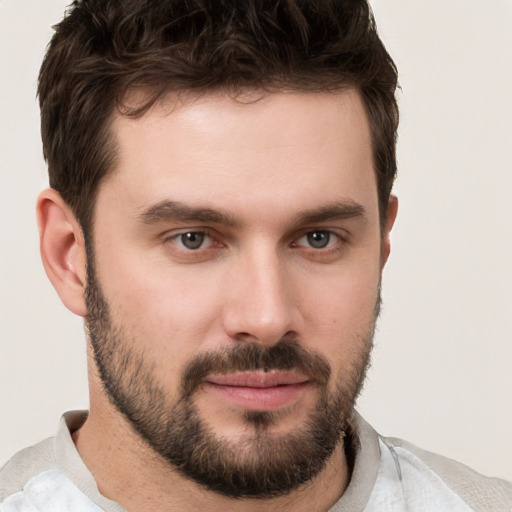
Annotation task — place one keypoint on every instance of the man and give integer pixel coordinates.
(220, 214)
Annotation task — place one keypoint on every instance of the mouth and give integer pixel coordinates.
(259, 391)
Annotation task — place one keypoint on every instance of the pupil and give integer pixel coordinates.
(318, 239)
(192, 240)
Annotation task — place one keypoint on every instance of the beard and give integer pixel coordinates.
(262, 463)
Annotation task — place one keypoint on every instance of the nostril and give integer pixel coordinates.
(245, 336)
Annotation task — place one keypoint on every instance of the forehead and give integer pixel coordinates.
(262, 150)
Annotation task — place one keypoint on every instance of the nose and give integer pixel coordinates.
(261, 306)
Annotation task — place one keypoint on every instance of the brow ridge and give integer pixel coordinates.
(338, 210)
(166, 211)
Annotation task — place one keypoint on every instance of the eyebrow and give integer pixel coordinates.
(175, 211)
(166, 211)
(339, 210)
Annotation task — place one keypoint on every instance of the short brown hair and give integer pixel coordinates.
(104, 48)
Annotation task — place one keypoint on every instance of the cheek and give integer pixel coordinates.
(168, 312)
(185, 308)
(339, 311)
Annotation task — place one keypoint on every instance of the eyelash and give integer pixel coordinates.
(330, 234)
(202, 232)
(335, 242)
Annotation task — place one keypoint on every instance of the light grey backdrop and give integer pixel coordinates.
(441, 373)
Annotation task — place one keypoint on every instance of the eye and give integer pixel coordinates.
(319, 239)
(192, 240)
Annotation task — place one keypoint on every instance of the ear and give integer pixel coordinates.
(62, 249)
(389, 221)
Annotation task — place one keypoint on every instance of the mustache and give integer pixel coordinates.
(284, 355)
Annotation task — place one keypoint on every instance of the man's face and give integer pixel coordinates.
(233, 289)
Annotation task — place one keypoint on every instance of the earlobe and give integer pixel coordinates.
(62, 249)
(391, 213)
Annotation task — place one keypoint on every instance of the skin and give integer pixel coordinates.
(265, 165)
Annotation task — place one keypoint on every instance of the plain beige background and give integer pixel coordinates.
(441, 374)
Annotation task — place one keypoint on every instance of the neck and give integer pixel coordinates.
(129, 472)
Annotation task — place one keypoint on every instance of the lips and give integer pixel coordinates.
(258, 379)
(259, 391)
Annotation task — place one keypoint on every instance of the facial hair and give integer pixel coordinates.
(263, 464)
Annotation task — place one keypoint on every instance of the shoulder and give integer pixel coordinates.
(51, 476)
(480, 492)
(24, 466)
